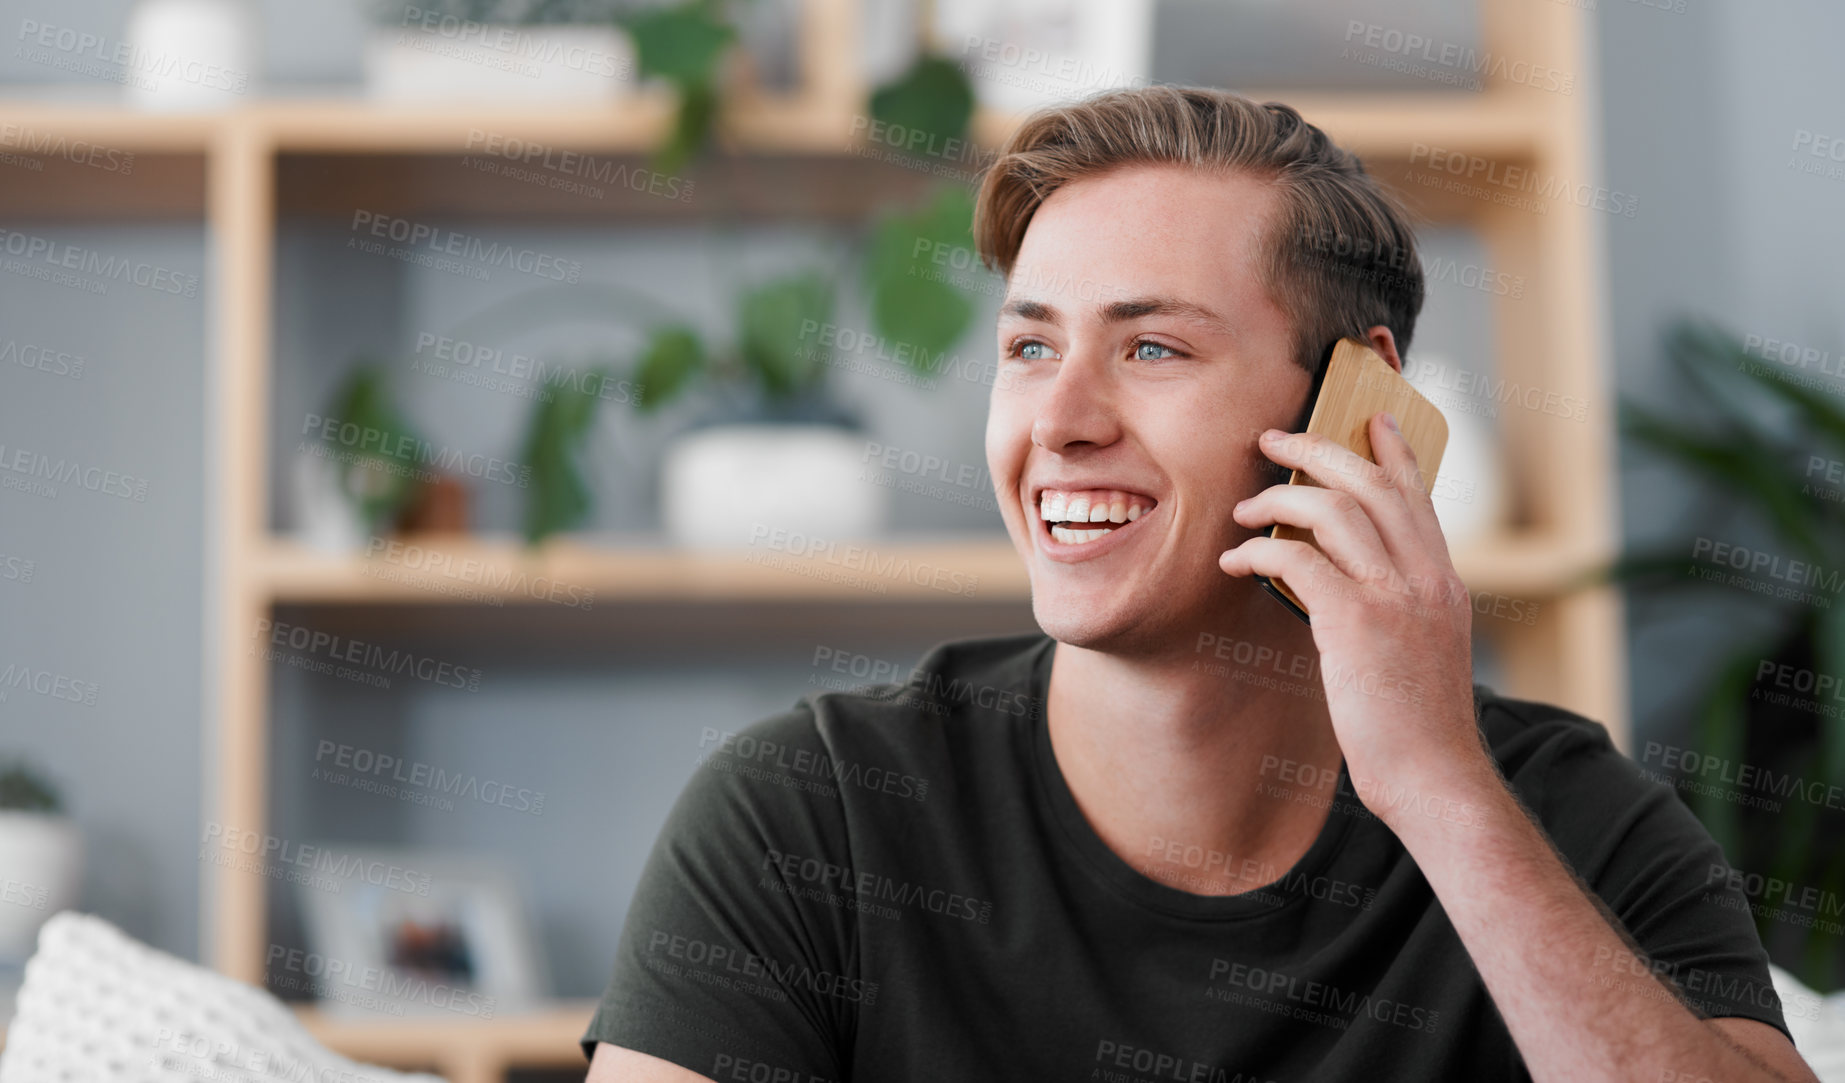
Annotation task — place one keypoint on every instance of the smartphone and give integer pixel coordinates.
(1355, 382)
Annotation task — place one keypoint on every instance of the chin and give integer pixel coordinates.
(1124, 626)
(1113, 630)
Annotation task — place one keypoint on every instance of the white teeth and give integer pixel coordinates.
(1093, 506)
(1068, 536)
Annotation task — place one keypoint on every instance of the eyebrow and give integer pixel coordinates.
(1122, 311)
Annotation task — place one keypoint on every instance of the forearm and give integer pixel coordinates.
(1578, 1000)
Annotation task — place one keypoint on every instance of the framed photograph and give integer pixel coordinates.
(402, 932)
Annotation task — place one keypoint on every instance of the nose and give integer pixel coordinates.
(1078, 406)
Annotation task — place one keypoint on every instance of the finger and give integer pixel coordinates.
(1334, 466)
(1340, 525)
(1308, 572)
(1398, 460)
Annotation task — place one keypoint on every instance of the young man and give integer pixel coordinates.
(1125, 850)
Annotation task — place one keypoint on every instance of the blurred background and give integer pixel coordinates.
(426, 430)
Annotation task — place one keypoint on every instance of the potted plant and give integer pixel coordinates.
(772, 447)
(497, 50)
(41, 860)
(356, 471)
(1755, 438)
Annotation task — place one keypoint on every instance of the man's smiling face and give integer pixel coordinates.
(1140, 357)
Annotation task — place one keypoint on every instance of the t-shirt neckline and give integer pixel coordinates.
(1057, 802)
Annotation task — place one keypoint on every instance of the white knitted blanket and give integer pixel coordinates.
(97, 1004)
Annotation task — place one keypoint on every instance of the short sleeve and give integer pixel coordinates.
(718, 968)
(1655, 866)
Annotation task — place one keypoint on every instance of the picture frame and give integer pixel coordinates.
(413, 932)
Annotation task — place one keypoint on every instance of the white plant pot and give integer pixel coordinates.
(41, 869)
(190, 55)
(453, 61)
(1024, 54)
(322, 515)
(737, 486)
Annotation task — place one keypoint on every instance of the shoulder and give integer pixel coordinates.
(1600, 807)
(1567, 771)
(1529, 737)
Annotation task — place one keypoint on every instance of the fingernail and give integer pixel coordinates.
(1390, 419)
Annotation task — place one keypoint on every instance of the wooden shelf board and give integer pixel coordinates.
(342, 126)
(544, 1038)
(470, 569)
(1389, 126)
(25, 121)
(912, 570)
(1367, 123)
(773, 187)
(782, 156)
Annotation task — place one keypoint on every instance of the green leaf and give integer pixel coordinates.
(1816, 964)
(557, 498)
(681, 43)
(1829, 659)
(1658, 567)
(933, 97)
(914, 261)
(1721, 724)
(1750, 471)
(929, 316)
(26, 790)
(776, 338)
(673, 357)
(1818, 408)
(692, 126)
(376, 452)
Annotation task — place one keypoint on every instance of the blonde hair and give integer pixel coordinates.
(1341, 253)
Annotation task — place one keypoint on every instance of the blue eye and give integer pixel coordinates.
(1019, 349)
(1144, 345)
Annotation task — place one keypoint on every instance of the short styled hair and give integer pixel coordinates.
(1341, 253)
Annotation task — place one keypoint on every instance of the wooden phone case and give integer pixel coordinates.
(1355, 383)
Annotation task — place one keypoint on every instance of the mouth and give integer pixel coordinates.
(1078, 523)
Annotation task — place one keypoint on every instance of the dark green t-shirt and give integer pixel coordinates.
(894, 883)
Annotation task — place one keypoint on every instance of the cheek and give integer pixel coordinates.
(1005, 461)
(1008, 432)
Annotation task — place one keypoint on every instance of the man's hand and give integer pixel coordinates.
(1391, 617)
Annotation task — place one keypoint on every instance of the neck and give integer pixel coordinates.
(1189, 761)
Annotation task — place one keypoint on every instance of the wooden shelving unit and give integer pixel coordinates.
(241, 171)
(463, 1051)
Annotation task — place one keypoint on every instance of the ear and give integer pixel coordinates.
(1380, 339)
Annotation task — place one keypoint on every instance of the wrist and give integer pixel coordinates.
(1458, 792)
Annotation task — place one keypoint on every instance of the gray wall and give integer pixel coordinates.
(1700, 116)
(114, 595)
